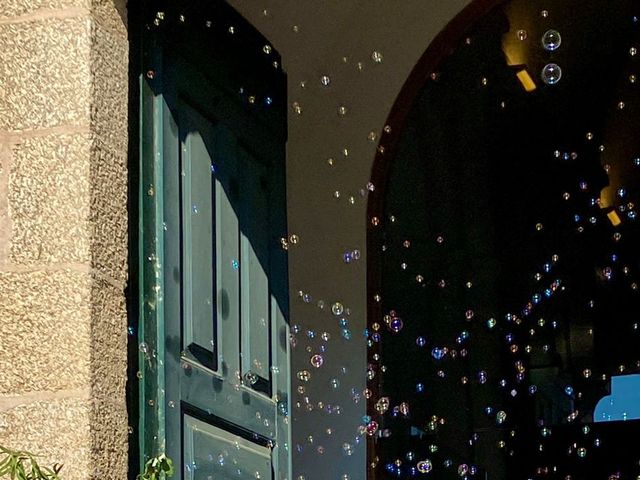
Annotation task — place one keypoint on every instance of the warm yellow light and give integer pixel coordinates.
(614, 218)
(526, 80)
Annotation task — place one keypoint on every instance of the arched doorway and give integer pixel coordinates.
(503, 259)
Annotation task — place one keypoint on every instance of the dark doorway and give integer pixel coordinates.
(503, 250)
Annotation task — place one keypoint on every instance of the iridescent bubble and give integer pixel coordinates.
(463, 470)
(568, 390)
(382, 405)
(335, 383)
(551, 74)
(404, 408)
(421, 341)
(522, 35)
(337, 308)
(347, 449)
(250, 378)
(501, 417)
(424, 466)
(419, 387)
(325, 80)
(551, 40)
(437, 353)
(372, 428)
(396, 324)
(304, 375)
(316, 360)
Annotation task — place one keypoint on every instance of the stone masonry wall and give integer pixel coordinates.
(63, 233)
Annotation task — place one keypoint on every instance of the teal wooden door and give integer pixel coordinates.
(214, 335)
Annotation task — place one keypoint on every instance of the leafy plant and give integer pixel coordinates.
(22, 465)
(157, 468)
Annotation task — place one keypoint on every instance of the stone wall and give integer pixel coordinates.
(63, 233)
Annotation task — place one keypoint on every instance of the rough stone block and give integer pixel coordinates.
(15, 8)
(109, 440)
(45, 73)
(109, 70)
(108, 212)
(49, 200)
(5, 224)
(108, 342)
(59, 430)
(46, 327)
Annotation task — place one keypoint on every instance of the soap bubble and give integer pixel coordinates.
(551, 40)
(424, 466)
(551, 74)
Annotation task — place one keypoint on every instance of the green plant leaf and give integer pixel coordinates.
(22, 465)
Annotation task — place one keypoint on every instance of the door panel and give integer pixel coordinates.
(213, 453)
(199, 243)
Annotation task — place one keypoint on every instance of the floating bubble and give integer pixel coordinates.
(372, 428)
(347, 449)
(551, 74)
(501, 417)
(551, 40)
(382, 405)
(337, 308)
(396, 324)
(421, 341)
(250, 378)
(424, 466)
(438, 353)
(316, 360)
